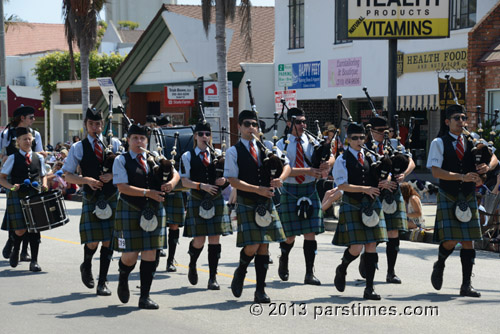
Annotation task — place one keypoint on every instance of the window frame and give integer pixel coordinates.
(296, 24)
(461, 14)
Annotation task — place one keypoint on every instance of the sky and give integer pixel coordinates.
(49, 11)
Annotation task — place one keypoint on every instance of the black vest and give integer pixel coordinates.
(137, 178)
(11, 149)
(451, 163)
(21, 171)
(250, 173)
(358, 175)
(91, 167)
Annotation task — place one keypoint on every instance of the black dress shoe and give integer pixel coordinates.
(392, 278)
(7, 250)
(362, 269)
(261, 297)
(25, 257)
(148, 304)
(162, 253)
(311, 279)
(171, 267)
(339, 280)
(283, 268)
(371, 294)
(87, 278)
(193, 275)
(469, 291)
(14, 258)
(437, 276)
(237, 282)
(35, 267)
(123, 291)
(213, 285)
(102, 290)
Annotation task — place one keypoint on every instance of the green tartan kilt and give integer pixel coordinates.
(127, 227)
(93, 229)
(397, 220)
(174, 208)
(249, 233)
(197, 227)
(447, 227)
(351, 230)
(292, 224)
(13, 218)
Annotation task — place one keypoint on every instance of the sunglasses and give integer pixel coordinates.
(203, 133)
(358, 137)
(458, 118)
(380, 129)
(31, 117)
(249, 124)
(300, 121)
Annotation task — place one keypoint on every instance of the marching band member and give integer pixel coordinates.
(396, 221)
(96, 224)
(195, 174)
(258, 221)
(140, 225)
(300, 187)
(457, 217)
(24, 116)
(19, 166)
(361, 220)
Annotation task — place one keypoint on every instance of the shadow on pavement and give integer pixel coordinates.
(56, 300)
(111, 311)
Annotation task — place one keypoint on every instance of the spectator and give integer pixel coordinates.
(76, 139)
(413, 206)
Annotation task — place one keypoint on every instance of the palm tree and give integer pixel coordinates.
(226, 9)
(80, 23)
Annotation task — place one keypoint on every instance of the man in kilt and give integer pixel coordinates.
(396, 221)
(198, 174)
(300, 187)
(452, 162)
(20, 166)
(140, 217)
(91, 154)
(24, 117)
(354, 176)
(244, 170)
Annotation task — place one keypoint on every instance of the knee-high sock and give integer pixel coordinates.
(443, 254)
(34, 240)
(173, 239)
(467, 257)
(147, 273)
(244, 260)
(286, 249)
(17, 240)
(213, 259)
(88, 254)
(194, 254)
(25, 243)
(104, 262)
(347, 259)
(310, 247)
(392, 254)
(371, 260)
(261, 265)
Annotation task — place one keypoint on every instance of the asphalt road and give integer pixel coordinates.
(55, 300)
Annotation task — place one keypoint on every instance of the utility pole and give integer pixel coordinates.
(4, 110)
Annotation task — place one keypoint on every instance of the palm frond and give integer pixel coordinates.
(229, 9)
(206, 12)
(245, 13)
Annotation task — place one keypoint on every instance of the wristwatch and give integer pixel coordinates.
(144, 193)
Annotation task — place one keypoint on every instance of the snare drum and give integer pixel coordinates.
(44, 211)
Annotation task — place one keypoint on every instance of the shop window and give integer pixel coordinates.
(493, 101)
(340, 21)
(296, 24)
(462, 14)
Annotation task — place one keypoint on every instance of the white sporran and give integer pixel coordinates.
(102, 210)
(369, 217)
(149, 222)
(304, 208)
(263, 217)
(389, 204)
(463, 212)
(207, 209)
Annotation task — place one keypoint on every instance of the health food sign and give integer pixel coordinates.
(402, 19)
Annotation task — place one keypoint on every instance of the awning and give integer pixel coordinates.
(415, 102)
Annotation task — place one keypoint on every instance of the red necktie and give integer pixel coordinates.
(460, 148)
(205, 160)
(380, 149)
(360, 158)
(28, 159)
(142, 163)
(299, 162)
(253, 152)
(98, 151)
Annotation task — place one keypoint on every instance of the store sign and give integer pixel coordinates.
(306, 75)
(446, 96)
(212, 115)
(211, 91)
(179, 96)
(455, 59)
(3, 93)
(290, 97)
(344, 72)
(369, 19)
